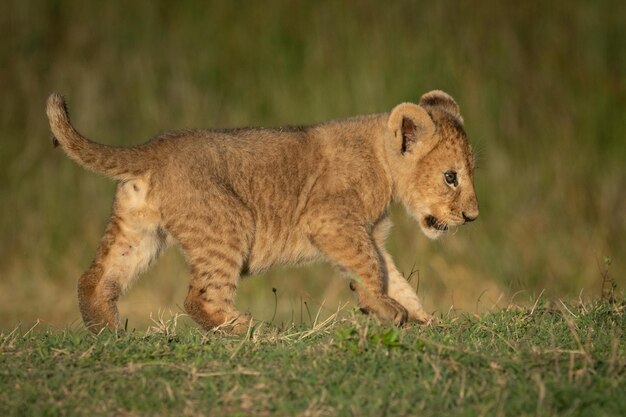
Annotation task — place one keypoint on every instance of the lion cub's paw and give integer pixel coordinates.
(236, 325)
(389, 310)
(422, 317)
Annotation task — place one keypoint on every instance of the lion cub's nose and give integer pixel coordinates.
(470, 217)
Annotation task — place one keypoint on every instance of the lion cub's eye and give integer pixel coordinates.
(451, 179)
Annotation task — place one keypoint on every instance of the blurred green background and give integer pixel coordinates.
(541, 86)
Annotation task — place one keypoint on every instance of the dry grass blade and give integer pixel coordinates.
(318, 327)
(164, 326)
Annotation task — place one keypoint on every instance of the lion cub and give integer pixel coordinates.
(239, 201)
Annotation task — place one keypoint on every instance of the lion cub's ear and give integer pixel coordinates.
(412, 124)
(438, 99)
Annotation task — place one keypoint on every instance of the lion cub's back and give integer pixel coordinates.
(271, 172)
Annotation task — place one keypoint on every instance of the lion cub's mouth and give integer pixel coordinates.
(434, 223)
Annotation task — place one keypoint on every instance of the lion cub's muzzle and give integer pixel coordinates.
(434, 223)
(470, 217)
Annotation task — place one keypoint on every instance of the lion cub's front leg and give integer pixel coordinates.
(400, 290)
(398, 287)
(352, 248)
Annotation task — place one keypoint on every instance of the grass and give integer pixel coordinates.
(550, 359)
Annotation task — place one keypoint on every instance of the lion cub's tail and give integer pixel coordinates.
(116, 162)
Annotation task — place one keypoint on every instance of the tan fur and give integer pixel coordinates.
(239, 201)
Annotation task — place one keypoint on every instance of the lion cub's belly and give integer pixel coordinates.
(268, 250)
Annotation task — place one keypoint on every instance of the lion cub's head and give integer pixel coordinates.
(432, 163)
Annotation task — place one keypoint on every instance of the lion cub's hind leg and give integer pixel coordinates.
(216, 264)
(132, 241)
(215, 237)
